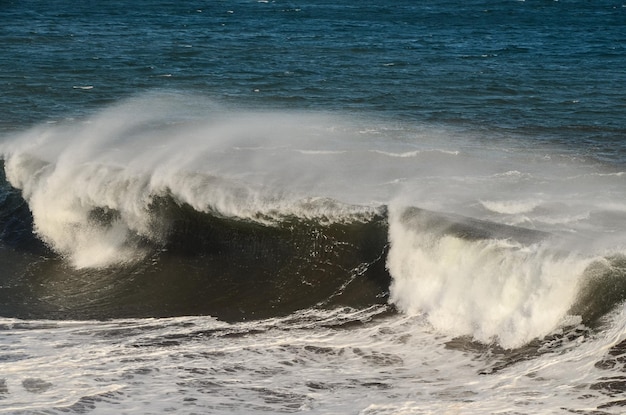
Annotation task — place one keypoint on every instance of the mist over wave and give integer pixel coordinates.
(161, 171)
(245, 165)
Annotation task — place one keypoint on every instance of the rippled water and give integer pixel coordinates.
(279, 207)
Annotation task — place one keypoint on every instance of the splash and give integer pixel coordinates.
(489, 283)
(96, 190)
(92, 187)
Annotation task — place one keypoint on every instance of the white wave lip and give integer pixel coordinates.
(415, 153)
(511, 207)
(119, 162)
(489, 289)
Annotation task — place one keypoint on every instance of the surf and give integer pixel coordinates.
(190, 208)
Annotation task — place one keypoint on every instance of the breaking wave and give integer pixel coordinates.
(252, 215)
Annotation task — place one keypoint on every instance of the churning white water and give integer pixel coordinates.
(484, 320)
(306, 363)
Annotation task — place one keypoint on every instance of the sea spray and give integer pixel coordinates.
(91, 186)
(491, 289)
(111, 188)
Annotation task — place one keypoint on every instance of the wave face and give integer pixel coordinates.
(169, 205)
(211, 265)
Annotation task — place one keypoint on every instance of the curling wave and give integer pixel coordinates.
(119, 217)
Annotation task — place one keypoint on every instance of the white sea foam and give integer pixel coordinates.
(490, 289)
(511, 207)
(394, 365)
(415, 153)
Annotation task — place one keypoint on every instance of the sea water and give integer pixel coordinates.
(334, 208)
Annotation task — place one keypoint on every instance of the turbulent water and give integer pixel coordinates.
(335, 208)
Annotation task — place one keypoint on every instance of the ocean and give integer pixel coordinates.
(352, 207)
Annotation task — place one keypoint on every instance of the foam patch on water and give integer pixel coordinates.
(305, 362)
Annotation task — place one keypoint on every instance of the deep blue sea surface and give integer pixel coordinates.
(550, 69)
(349, 207)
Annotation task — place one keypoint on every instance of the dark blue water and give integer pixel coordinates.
(548, 69)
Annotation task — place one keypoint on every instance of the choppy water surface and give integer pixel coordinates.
(247, 207)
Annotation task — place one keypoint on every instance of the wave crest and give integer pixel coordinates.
(241, 215)
(479, 279)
